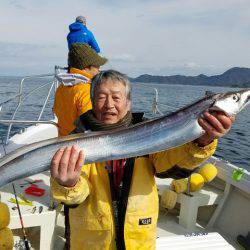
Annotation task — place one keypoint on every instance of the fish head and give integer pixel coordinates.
(231, 103)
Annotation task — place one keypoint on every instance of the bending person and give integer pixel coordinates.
(115, 204)
(79, 33)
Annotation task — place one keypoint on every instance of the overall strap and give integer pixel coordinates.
(120, 201)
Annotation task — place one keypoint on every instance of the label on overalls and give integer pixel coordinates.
(145, 221)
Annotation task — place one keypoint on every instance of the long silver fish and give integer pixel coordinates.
(145, 138)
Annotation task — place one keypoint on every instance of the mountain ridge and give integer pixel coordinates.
(233, 77)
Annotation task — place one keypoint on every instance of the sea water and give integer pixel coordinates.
(234, 147)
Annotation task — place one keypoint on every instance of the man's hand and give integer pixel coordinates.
(216, 124)
(66, 166)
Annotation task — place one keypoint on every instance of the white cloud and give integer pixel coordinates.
(161, 36)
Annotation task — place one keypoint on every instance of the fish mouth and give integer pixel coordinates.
(246, 95)
(247, 101)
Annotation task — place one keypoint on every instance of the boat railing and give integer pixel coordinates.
(20, 97)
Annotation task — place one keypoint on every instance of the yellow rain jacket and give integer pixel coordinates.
(92, 223)
(70, 102)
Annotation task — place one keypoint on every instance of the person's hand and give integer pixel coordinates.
(66, 166)
(216, 124)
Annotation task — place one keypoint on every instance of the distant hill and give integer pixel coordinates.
(234, 77)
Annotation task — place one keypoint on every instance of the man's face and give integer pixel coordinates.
(110, 102)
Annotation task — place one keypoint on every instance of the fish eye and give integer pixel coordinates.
(236, 98)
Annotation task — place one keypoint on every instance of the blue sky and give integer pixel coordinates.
(163, 37)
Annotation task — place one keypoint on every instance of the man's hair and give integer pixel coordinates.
(112, 75)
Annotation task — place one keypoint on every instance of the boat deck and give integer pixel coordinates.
(170, 235)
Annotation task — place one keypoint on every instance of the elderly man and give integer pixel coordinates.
(79, 33)
(115, 204)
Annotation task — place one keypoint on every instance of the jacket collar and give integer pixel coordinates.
(74, 77)
(81, 72)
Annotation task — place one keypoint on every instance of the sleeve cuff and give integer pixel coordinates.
(70, 195)
(203, 152)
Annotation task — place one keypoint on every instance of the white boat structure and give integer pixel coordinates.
(209, 219)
